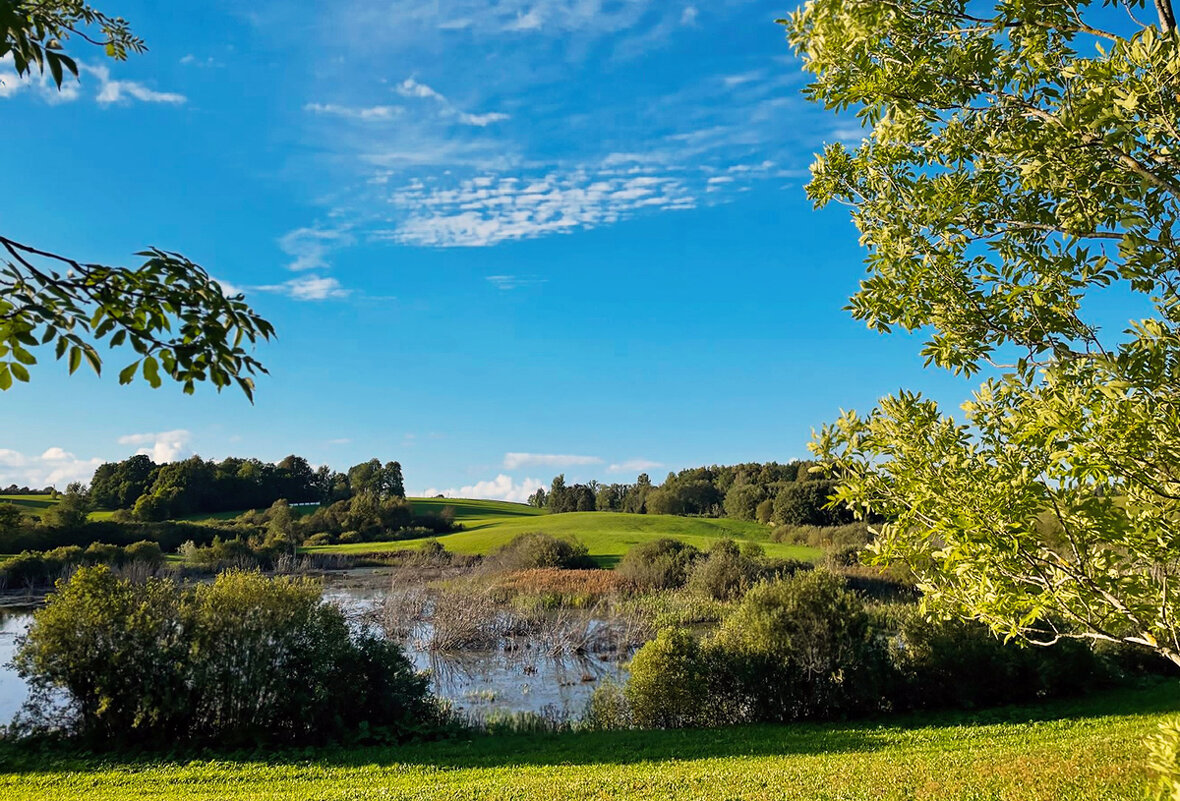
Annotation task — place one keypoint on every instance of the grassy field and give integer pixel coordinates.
(489, 524)
(608, 535)
(1080, 751)
(36, 504)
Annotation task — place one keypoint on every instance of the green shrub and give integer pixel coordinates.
(241, 661)
(145, 552)
(536, 550)
(676, 682)
(956, 663)
(805, 649)
(607, 709)
(660, 564)
(725, 573)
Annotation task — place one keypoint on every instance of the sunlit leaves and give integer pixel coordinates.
(168, 311)
(33, 34)
(1021, 160)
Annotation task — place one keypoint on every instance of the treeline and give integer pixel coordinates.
(793, 494)
(13, 489)
(197, 486)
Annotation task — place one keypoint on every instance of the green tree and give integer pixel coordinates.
(71, 511)
(1019, 159)
(174, 316)
(282, 529)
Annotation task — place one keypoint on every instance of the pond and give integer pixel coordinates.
(519, 675)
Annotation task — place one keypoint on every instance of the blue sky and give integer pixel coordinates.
(499, 240)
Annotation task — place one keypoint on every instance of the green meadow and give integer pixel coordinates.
(1075, 751)
(34, 505)
(487, 525)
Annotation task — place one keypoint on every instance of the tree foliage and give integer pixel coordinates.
(1021, 161)
(176, 318)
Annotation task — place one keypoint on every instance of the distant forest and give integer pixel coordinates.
(196, 486)
(794, 493)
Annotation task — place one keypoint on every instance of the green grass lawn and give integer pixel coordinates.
(36, 504)
(1080, 751)
(30, 504)
(608, 535)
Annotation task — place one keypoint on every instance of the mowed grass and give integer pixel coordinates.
(1081, 751)
(608, 535)
(34, 505)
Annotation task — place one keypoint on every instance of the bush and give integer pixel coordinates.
(956, 663)
(535, 550)
(607, 708)
(676, 682)
(806, 649)
(661, 564)
(726, 573)
(239, 662)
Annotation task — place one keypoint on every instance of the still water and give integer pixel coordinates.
(478, 683)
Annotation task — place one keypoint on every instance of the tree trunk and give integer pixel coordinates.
(1167, 15)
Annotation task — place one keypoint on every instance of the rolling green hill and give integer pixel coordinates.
(608, 535)
(34, 505)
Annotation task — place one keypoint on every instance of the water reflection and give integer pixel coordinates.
(521, 675)
(13, 691)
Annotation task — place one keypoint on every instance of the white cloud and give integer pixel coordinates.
(634, 466)
(689, 15)
(529, 21)
(55, 467)
(165, 446)
(745, 77)
(310, 246)
(309, 287)
(501, 488)
(109, 91)
(114, 91)
(412, 88)
(515, 461)
(191, 60)
(368, 113)
(488, 209)
(510, 282)
(227, 289)
(38, 83)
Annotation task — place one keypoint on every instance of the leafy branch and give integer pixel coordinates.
(168, 310)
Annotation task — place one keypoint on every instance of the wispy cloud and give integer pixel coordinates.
(310, 246)
(501, 488)
(488, 209)
(515, 461)
(115, 91)
(109, 90)
(375, 113)
(308, 287)
(634, 466)
(163, 446)
(509, 282)
(191, 60)
(413, 89)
